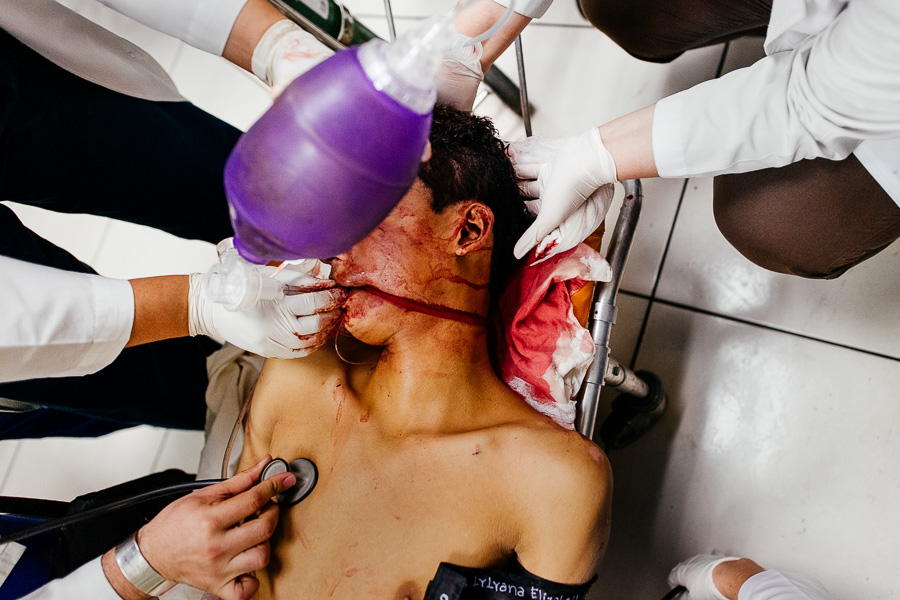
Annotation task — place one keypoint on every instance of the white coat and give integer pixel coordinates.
(58, 323)
(829, 86)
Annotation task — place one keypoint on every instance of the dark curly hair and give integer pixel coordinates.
(469, 162)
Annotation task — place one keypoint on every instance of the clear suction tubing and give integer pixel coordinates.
(340, 147)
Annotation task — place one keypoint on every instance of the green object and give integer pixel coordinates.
(331, 17)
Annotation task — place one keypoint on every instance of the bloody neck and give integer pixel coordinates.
(434, 310)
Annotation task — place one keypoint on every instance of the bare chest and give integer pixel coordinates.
(385, 512)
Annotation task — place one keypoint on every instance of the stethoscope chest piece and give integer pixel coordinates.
(303, 469)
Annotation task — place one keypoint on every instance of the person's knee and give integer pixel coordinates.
(771, 239)
(636, 28)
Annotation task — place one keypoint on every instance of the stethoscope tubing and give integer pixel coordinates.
(91, 513)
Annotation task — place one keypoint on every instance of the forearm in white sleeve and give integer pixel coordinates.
(822, 99)
(85, 583)
(534, 9)
(58, 323)
(204, 24)
(775, 585)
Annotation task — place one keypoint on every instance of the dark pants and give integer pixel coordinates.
(814, 218)
(71, 146)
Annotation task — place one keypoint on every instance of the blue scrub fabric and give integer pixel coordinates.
(71, 146)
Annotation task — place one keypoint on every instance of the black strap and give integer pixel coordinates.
(453, 582)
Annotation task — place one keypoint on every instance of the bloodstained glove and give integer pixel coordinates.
(284, 52)
(572, 177)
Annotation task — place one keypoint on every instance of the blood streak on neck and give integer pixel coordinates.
(434, 310)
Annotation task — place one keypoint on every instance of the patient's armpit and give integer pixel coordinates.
(452, 582)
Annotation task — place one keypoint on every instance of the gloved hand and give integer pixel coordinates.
(575, 229)
(204, 540)
(284, 52)
(459, 74)
(696, 574)
(291, 327)
(565, 174)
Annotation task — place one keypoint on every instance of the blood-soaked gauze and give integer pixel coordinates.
(434, 310)
(542, 350)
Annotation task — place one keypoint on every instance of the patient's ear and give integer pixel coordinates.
(476, 232)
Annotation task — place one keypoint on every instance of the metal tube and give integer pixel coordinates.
(389, 14)
(625, 380)
(523, 90)
(603, 314)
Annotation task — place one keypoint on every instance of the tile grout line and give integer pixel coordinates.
(662, 262)
(765, 326)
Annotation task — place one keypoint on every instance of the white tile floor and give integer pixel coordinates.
(781, 442)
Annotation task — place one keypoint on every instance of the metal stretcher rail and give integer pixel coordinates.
(642, 399)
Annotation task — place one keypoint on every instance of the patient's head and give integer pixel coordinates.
(469, 162)
(450, 240)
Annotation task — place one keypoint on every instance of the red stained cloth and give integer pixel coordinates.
(543, 351)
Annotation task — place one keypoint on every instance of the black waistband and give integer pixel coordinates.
(452, 582)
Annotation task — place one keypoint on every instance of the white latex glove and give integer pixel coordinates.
(460, 74)
(696, 574)
(565, 174)
(291, 327)
(285, 52)
(580, 224)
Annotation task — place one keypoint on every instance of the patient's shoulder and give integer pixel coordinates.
(563, 504)
(564, 457)
(286, 384)
(552, 461)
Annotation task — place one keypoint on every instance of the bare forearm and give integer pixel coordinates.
(729, 576)
(479, 17)
(254, 19)
(160, 309)
(630, 141)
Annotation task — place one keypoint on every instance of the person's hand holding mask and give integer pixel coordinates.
(291, 327)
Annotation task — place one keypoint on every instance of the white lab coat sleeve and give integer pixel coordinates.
(204, 24)
(85, 583)
(534, 9)
(822, 99)
(775, 585)
(56, 323)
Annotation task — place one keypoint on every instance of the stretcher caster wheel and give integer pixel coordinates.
(632, 416)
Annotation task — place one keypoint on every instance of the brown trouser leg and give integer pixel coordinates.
(814, 218)
(660, 30)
